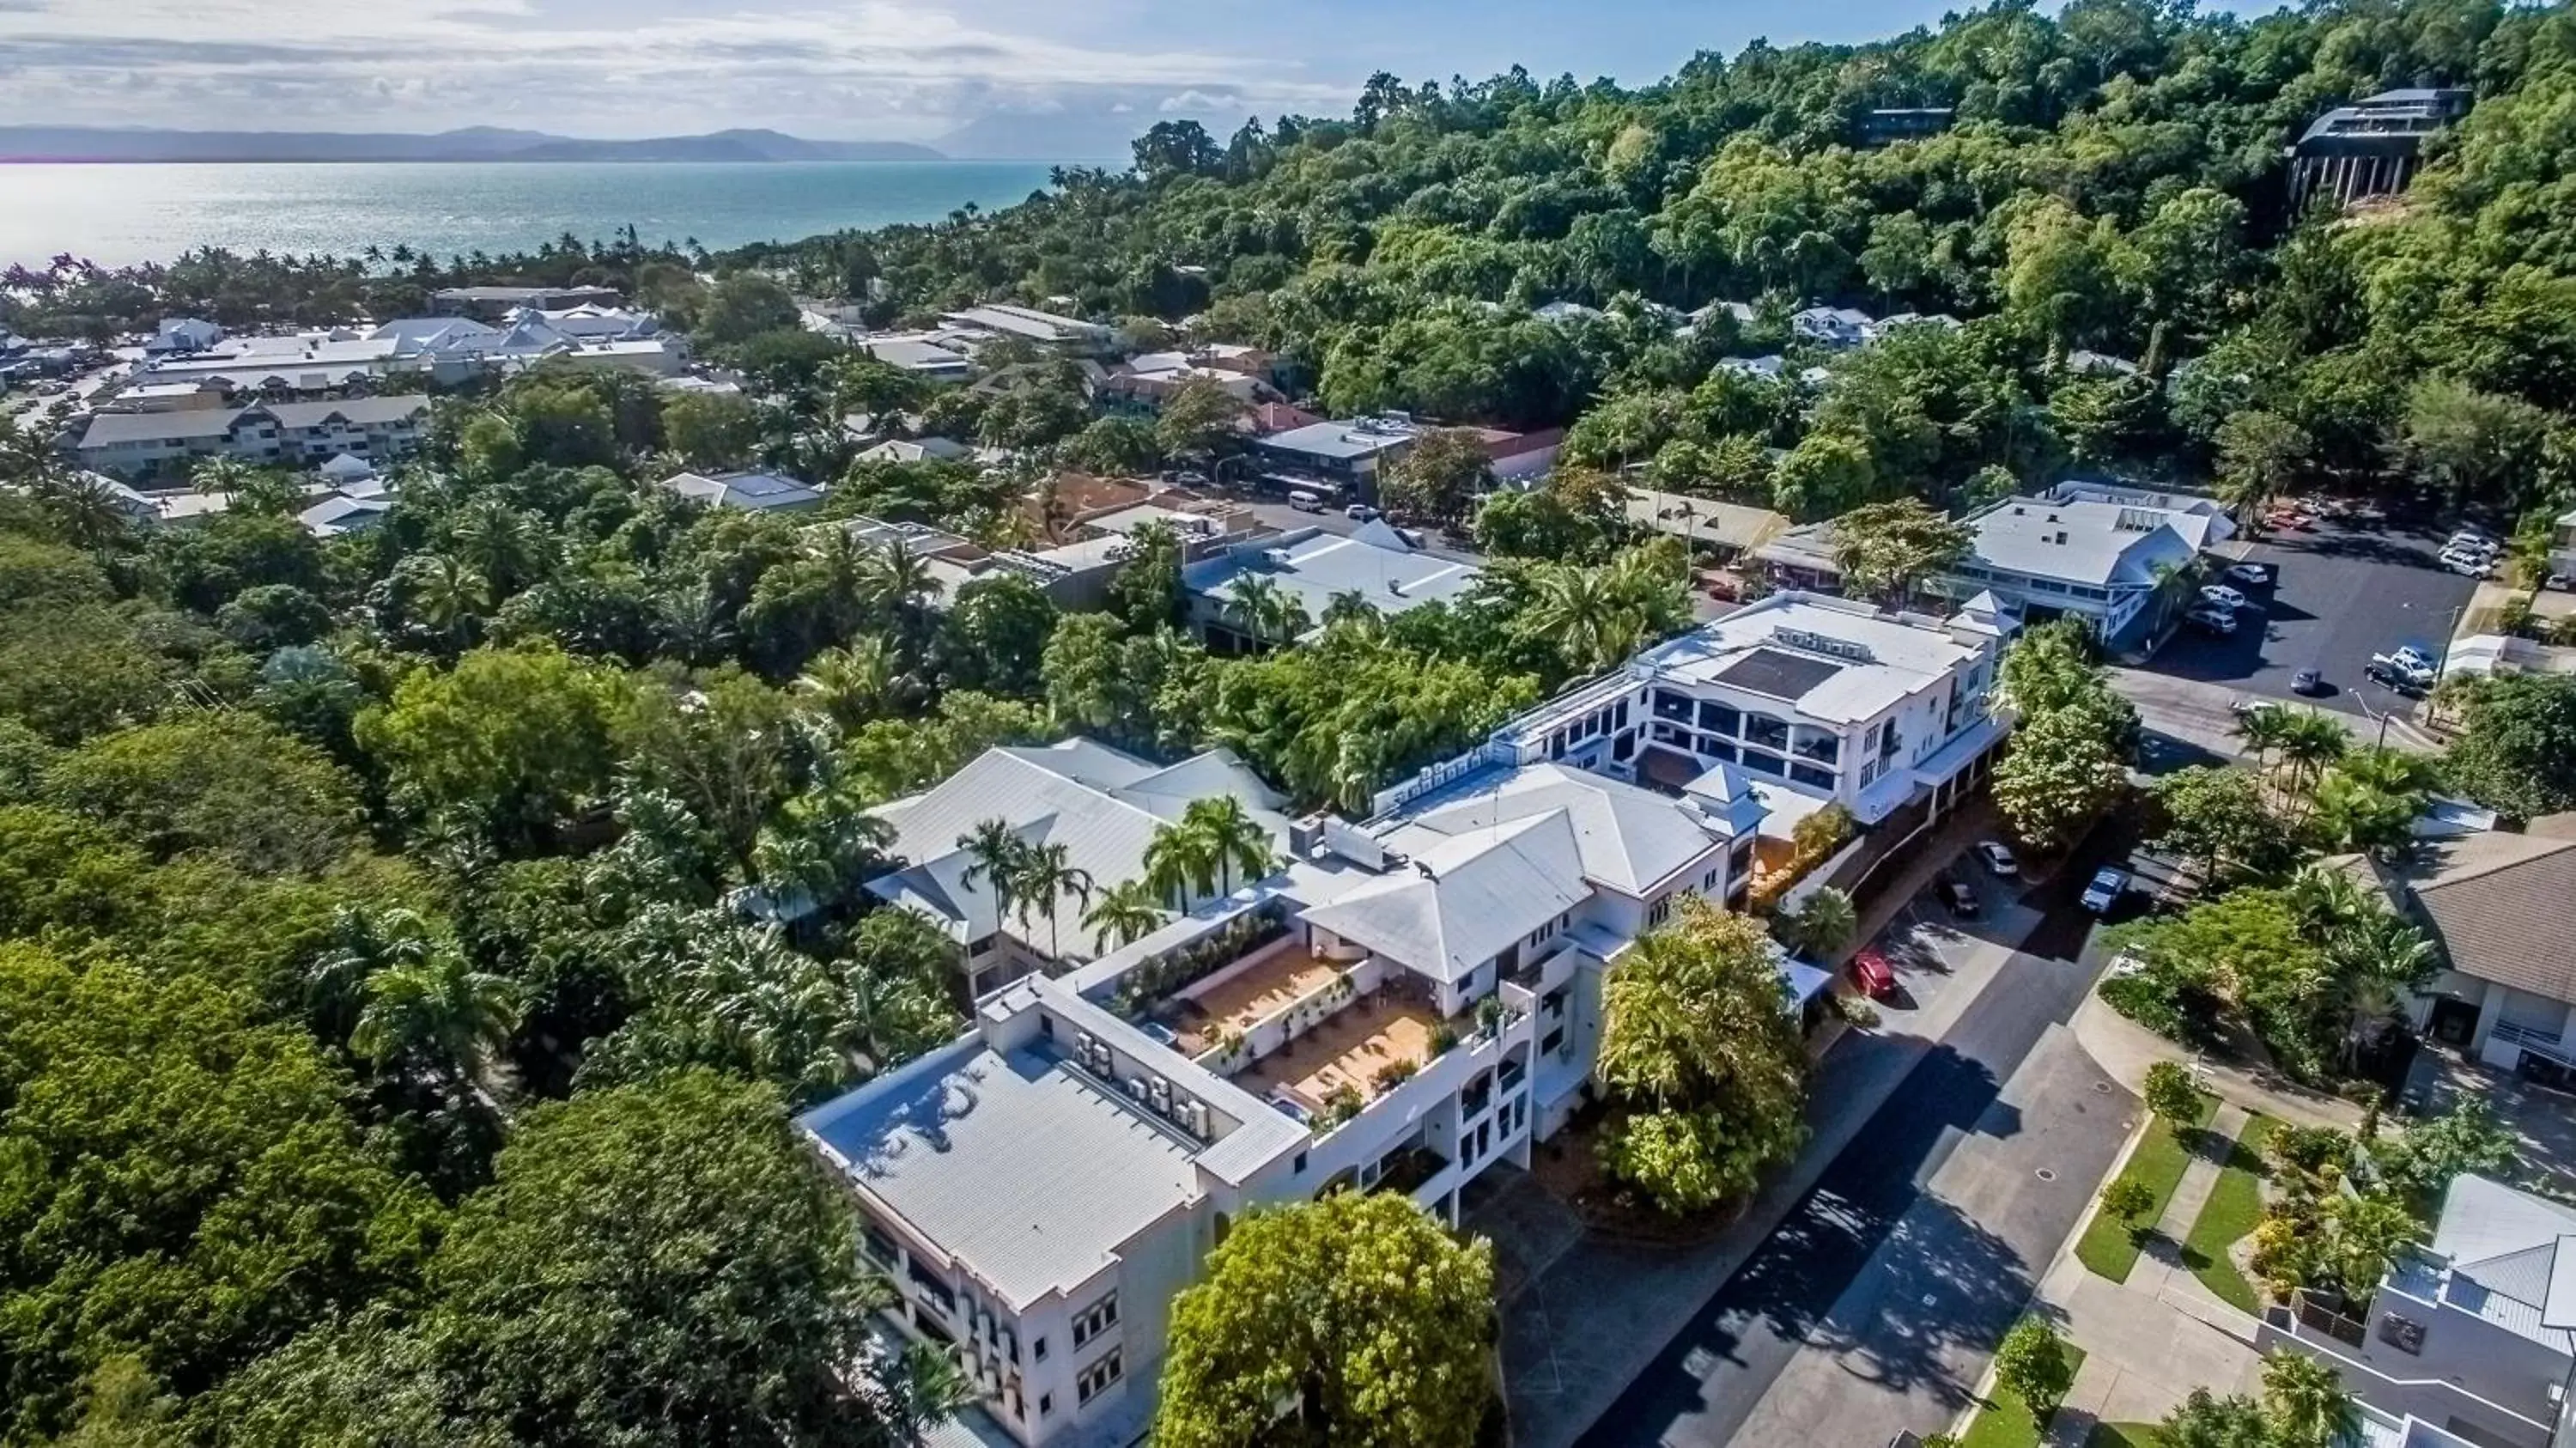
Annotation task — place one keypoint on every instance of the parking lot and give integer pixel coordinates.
(2341, 593)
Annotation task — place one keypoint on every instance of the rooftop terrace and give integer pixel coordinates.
(1374, 1034)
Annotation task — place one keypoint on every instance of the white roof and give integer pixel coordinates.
(1462, 897)
(1315, 567)
(1836, 661)
(1104, 806)
(2103, 544)
(1024, 1170)
(2507, 1250)
(914, 450)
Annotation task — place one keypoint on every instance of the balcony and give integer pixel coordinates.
(1351, 1058)
(1410, 1169)
(1231, 1008)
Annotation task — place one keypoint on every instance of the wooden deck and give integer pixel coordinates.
(1347, 1050)
(1236, 1004)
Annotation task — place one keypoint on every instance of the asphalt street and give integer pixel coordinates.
(1936, 1285)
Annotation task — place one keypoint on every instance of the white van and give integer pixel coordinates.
(1305, 502)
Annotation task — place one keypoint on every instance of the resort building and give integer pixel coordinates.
(2469, 1340)
(1408, 1001)
(2372, 147)
(1833, 327)
(1345, 459)
(1813, 700)
(446, 350)
(286, 434)
(1375, 564)
(2118, 558)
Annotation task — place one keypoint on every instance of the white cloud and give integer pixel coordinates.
(817, 67)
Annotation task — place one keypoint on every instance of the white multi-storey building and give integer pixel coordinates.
(1813, 699)
(285, 434)
(1407, 1002)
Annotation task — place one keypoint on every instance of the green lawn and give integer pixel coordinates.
(2109, 1248)
(2126, 1435)
(2004, 1422)
(2235, 1205)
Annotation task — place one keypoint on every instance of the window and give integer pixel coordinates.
(1037, 1350)
(1096, 1379)
(1708, 881)
(1766, 731)
(1658, 912)
(1760, 763)
(1710, 748)
(1667, 734)
(1818, 745)
(1298, 1168)
(1046, 1404)
(879, 1247)
(1719, 719)
(1669, 705)
(1808, 774)
(1094, 1320)
(1619, 715)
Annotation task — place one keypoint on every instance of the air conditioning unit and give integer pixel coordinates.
(1161, 1091)
(1136, 1087)
(1194, 1116)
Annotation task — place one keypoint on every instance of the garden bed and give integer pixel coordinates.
(2110, 1246)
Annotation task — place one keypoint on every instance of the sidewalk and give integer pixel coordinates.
(2151, 1340)
(2126, 1049)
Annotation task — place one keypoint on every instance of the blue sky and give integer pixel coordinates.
(1025, 70)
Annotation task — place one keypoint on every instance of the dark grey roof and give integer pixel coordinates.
(1777, 674)
(110, 428)
(356, 410)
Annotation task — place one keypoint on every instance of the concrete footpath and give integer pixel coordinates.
(2126, 1049)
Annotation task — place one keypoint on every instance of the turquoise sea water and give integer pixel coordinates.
(118, 215)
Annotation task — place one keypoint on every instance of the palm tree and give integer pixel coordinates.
(363, 943)
(852, 684)
(2263, 728)
(1125, 912)
(1047, 874)
(438, 1010)
(1233, 839)
(2305, 1404)
(1350, 607)
(499, 541)
(2312, 742)
(1258, 608)
(1581, 609)
(926, 1388)
(2326, 899)
(1824, 924)
(1180, 863)
(446, 593)
(221, 475)
(997, 854)
(894, 581)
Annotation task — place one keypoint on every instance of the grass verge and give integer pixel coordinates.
(2126, 1435)
(2109, 1248)
(2004, 1422)
(2235, 1205)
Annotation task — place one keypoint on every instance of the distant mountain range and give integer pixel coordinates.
(478, 143)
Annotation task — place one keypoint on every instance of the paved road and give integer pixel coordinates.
(1870, 1227)
(2342, 595)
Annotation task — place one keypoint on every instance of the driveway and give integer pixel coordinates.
(2341, 594)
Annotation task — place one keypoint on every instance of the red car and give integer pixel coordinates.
(2289, 519)
(1875, 975)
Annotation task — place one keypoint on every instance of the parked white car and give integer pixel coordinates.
(2213, 618)
(2223, 596)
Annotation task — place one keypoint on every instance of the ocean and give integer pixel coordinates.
(122, 214)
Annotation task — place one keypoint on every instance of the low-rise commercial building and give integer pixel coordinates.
(2121, 559)
(749, 492)
(494, 303)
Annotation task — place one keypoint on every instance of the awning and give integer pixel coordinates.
(1954, 756)
(1804, 982)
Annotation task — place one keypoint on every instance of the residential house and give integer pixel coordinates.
(1834, 327)
(2372, 147)
(285, 434)
(1145, 382)
(750, 492)
(2120, 565)
(917, 450)
(338, 513)
(2498, 907)
(2562, 549)
(1766, 368)
(2470, 1339)
(1375, 564)
(495, 303)
(1409, 1001)
(1886, 327)
(1814, 700)
(922, 357)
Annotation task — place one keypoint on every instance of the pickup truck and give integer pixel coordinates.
(2408, 664)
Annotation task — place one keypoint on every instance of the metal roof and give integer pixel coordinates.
(1023, 1168)
(1315, 567)
(2099, 544)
